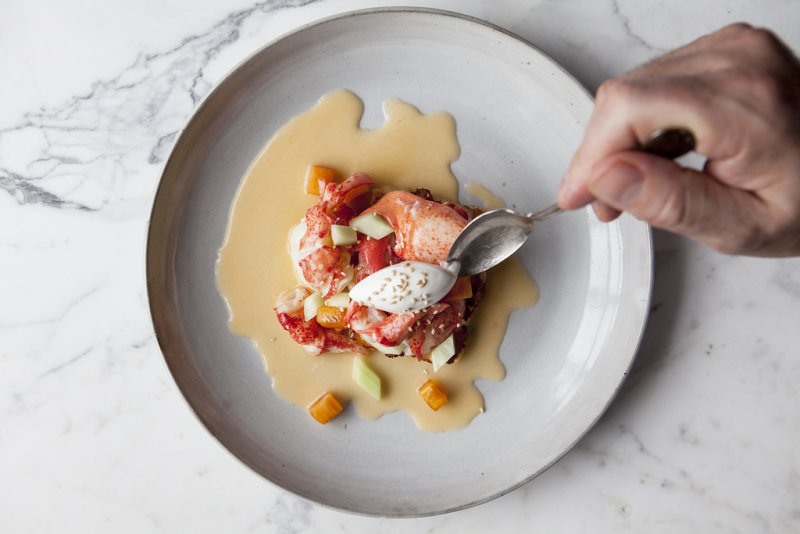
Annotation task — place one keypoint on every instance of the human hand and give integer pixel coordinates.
(738, 91)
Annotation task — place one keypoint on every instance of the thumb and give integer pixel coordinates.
(682, 200)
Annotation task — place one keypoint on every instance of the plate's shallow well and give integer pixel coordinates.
(519, 118)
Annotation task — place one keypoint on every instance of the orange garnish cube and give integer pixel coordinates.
(317, 177)
(331, 317)
(358, 198)
(325, 408)
(461, 290)
(432, 394)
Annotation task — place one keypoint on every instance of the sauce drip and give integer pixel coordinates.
(489, 199)
(410, 150)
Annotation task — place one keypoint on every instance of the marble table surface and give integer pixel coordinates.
(94, 434)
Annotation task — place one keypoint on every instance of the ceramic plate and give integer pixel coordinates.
(519, 119)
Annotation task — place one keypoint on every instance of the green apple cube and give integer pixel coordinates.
(339, 300)
(442, 353)
(366, 377)
(311, 304)
(372, 225)
(386, 349)
(343, 235)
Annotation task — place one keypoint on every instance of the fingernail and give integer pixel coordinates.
(619, 186)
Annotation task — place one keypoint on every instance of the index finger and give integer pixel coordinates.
(626, 112)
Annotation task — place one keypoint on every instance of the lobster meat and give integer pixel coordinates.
(324, 267)
(314, 338)
(423, 231)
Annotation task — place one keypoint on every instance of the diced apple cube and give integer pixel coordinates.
(372, 225)
(386, 349)
(442, 353)
(366, 377)
(339, 300)
(343, 235)
(311, 304)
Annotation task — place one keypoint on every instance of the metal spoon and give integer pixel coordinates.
(495, 235)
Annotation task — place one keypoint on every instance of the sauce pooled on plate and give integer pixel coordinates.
(410, 150)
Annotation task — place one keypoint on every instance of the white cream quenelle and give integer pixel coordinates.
(406, 286)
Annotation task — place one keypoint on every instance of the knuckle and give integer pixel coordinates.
(612, 89)
(671, 213)
(766, 88)
(760, 87)
(736, 28)
(756, 42)
(760, 39)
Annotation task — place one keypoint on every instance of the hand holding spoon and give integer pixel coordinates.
(495, 235)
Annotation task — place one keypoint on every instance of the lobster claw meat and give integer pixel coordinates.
(424, 230)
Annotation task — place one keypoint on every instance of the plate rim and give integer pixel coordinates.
(156, 304)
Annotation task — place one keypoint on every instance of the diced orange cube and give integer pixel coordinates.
(325, 408)
(461, 290)
(358, 198)
(331, 317)
(317, 177)
(432, 394)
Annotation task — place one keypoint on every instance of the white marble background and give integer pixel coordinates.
(94, 435)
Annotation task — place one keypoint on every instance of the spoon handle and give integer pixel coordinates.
(545, 213)
(665, 142)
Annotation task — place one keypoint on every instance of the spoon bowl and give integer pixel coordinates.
(490, 238)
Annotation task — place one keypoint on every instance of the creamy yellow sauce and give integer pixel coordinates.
(410, 150)
(489, 199)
